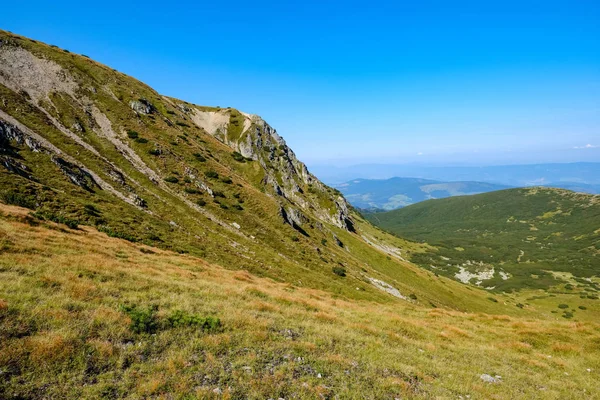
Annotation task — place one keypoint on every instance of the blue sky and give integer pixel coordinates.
(358, 82)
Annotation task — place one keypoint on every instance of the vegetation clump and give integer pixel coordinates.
(340, 271)
(143, 320)
(133, 134)
(18, 199)
(182, 319)
(199, 157)
(49, 216)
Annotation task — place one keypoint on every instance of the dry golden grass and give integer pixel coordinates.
(63, 334)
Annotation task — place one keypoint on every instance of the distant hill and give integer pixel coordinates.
(512, 175)
(393, 193)
(509, 239)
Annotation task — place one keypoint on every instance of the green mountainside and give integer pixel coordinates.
(389, 194)
(507, 240)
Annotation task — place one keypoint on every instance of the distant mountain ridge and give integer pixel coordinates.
(389, 194)
(512, 175)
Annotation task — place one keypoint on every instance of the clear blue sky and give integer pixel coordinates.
(352, 82)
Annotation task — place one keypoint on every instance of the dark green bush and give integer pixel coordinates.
(211, 174)
(226, 180)
(116, 234)
(493, 299)
(295, 239)
(218, 193)
(48, 216)
(201, 202)
(238, 157)
(199, 157)
(132, 134)
(92, 210)
(237, 207)
(143, 320)
(191, 190)
(141, 140)
(412, 296)
(18, 199)
(181, 319)
(340, 271)
(582, 307)
(154, 152)
(563, 306)
(324, 242)
(171, 179)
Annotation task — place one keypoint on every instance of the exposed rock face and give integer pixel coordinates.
(9, 132)
(76, 174)
(142, 106)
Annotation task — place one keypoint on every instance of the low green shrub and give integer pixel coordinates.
(132, 134)
(181, 319)
(211, 174)
(238, 157)
(143, 320)
(48, 216)
(116, 234)
(18, 199)
(340, 271)
(171, 179)
(199, 157)
(563, 306)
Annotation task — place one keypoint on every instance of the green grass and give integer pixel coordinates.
(529, 234)
(87, 316)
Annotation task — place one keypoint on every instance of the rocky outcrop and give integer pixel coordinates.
(285, 175)
(77, 175)
(142, 106)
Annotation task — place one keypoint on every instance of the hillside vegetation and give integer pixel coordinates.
(389, 194)
(83, 315)
(508, 240)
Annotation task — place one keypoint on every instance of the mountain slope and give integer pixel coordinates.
(510, 239)
(394, 193)
(87, 316)
(87, 145)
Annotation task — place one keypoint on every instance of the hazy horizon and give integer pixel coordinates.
(432, 82)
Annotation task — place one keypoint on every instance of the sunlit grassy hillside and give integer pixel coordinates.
(83, 315)
(536, 238)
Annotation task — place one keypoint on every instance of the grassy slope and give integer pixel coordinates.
(524, 232)
(63, 333)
